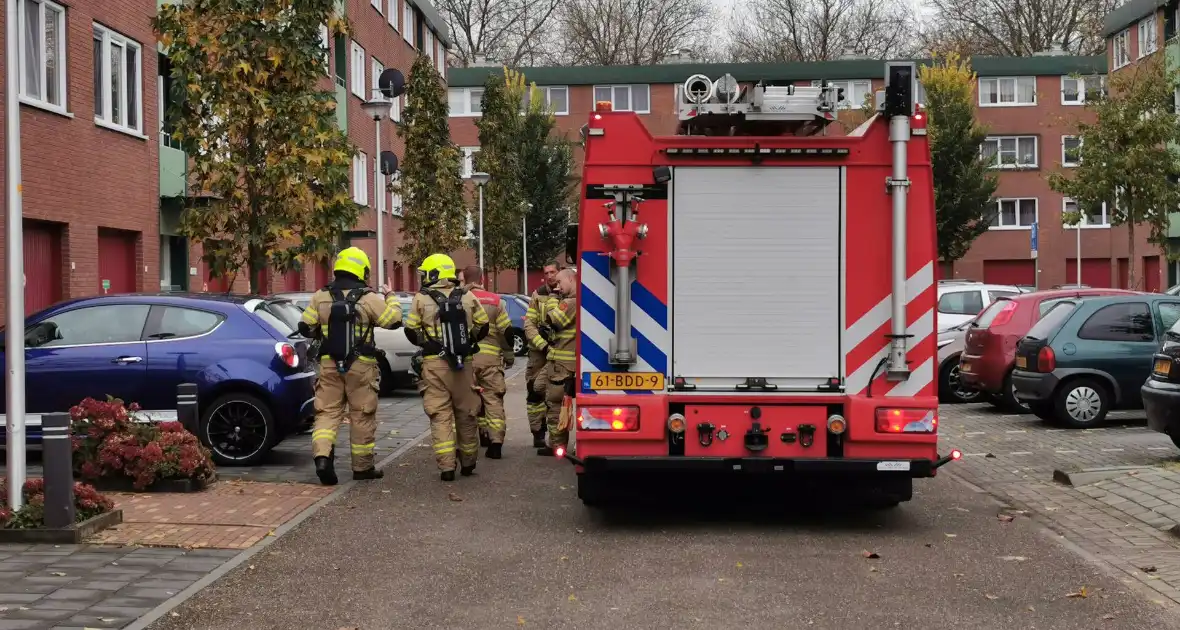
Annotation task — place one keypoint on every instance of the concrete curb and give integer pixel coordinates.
(1087, 476)
(176, 600)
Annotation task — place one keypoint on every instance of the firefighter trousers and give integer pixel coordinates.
(357, 389)
(559, 379)
(449, 398)
(489, 378)
(536, 385)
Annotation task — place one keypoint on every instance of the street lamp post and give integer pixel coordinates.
(15, 267)
(480, 180)
(524, 245)
(378, 108)
(1078, 228)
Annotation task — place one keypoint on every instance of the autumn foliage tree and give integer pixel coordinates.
(259, 130)
(963, 184)
(433, 213)
(1129, 158)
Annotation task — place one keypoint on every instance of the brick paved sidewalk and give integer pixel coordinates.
(1122, 517)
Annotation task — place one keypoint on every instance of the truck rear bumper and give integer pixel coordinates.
(904, 468)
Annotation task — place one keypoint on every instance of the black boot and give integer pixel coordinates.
(447, 475)
(546, 451)
(467, 471)
(539, 438)
(494, 451)
(372, 473)
(484, 439)
(325, 470)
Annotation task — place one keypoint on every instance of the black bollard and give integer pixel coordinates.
(187, 411)
(58, 457)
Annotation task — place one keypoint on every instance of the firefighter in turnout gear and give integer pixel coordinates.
(448, 323)
(495, 353)
(561, 315)
(536, 334)
(343, 314)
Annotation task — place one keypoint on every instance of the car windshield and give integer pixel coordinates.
(1053, 319)
(1048, 304)
(985, 318)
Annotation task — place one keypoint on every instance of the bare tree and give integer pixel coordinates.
(631, 32)
(1017, 28)
(821, 30)
(507, 31)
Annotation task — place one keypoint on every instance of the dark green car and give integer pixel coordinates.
(1088, 356)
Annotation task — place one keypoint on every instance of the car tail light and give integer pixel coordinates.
(907, 421)
(1046, 360)
(287, 354)
(1004, 316)
(1162, 367)
(608, 418)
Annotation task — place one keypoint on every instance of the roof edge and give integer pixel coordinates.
(441, 30)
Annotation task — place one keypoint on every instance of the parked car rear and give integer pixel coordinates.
(950, 346)
(1161, 390)
(1089, 356)
(990, 346)
(255, 384)
(960, 301)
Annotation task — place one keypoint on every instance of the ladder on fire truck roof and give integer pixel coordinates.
(727, 108)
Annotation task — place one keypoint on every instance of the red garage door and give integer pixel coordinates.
(944, 271)
(116, 261)
(323, 275)
(1151, 274)
(1095, 272)
(292, 280)
(1009, 272)
(42, 244)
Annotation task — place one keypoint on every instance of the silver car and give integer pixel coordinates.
(395, 365)
(950, 346)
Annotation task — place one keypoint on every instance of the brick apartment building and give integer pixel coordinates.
(103, 184)
(1030, 106)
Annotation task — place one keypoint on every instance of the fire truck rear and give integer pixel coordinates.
(758, 296)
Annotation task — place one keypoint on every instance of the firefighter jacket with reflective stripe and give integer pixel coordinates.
(562, 317)
(496, 342)
(535, 327)
(424, 318)
(372, 311)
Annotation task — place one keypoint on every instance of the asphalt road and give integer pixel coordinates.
(513, 547)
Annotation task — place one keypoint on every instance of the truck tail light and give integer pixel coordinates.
(907, 421)
(608, 418)
(1046, 360)
(1004, 316)
(676, 423)
(287, 354)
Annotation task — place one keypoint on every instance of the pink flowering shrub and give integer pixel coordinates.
(88, 503)
(109, 443)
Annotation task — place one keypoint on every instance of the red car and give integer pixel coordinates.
(990, 346)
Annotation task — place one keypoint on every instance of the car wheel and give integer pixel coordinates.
(239, 429)
(518, 345)
(1082, 403)
(1008, 400)
(950, 386)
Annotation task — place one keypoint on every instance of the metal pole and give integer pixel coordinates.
(899, 135)
(58, 456)
(1078, 228)
(524, 248)
(481, 226)
(15, 267)
(377, 192)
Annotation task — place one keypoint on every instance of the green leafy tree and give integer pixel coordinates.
(260, 132)
(1128, 158)
(434, 217)
(548, 179)
(963, 184)
(500, 125)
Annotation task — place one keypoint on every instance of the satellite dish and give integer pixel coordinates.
(388, 162)
(698, 89)
(727, 88)
(392, 83)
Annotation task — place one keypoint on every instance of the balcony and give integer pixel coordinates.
(173, 164)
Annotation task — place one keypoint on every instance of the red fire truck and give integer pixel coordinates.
(757, 293)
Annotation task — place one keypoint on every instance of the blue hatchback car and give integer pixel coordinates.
(255, 384)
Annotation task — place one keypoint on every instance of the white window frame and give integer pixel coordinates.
(377, 68)
(395, 109)
(392, 13)
(395, 198)
(850, 88)
(381, 192)
(360, 178)
(470, 228)
(546, 94)
(358, 71)
(1148, 36)
(325, 38)
(1000, 212)
(630, 96)
(45, 7)
(110, 41)
(997, 83)
(1065, 162)
(1085, 222)
(470, 95)
(408, 22)
(1081, 87)
(1120, 48)
(1015, 165)
(428, 45)
(467, 165)
(441, 60)
(377, 4)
